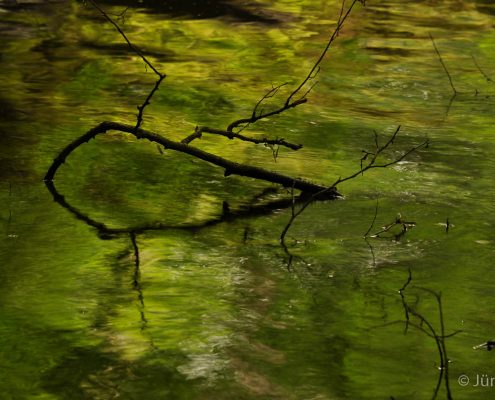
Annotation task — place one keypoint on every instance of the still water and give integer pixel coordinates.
(216, 312)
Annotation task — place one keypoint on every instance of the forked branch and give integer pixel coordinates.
(198, 133)
(290, 102)
(370, 157)
(230, 167)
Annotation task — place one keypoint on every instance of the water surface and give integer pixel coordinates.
(215, 312)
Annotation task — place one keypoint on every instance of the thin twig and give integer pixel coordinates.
(378, 151)
(252, 119)
(443, 64)
(399, 221)
(295, 214)
(235, 135)
(137, 50)
(315, 69)
(371, 164)
(133, 47)
(147, 101)
(269, 94)
(488, 79)
(374, 219)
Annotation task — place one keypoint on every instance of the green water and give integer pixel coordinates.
(215, 312)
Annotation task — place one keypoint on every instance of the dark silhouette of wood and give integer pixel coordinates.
(231, 168)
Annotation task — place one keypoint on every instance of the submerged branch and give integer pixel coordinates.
(374, 220)
(248, 210)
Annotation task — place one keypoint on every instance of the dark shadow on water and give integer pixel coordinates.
(199, 9)
(486, 6)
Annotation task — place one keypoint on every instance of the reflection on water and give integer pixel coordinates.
(210, 310)
(201, 9)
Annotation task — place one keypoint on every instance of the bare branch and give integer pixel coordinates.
(269, 94)
(316, 67)
(231, 168)
(133, 47)
(371, 164)
(138, 51)
(147, 101)
(488, 79)
(320, 195)
(379, 150)
(252, 119)
(231, 135)
(405, 226)
(372, 222)
(443, 65)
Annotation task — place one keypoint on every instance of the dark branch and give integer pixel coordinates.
(133, 47)
(316, 67)
(488, 79)
(443, 65)
(231, 135)
(379, 150)
(252, 119)
(138, 51)
(405, 226)
(289, 102)
(231, 168)
(147, 101)
(372, 222)
(371, 164)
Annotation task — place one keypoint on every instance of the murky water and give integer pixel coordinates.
(214, 312)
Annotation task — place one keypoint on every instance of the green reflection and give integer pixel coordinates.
(216, 313)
